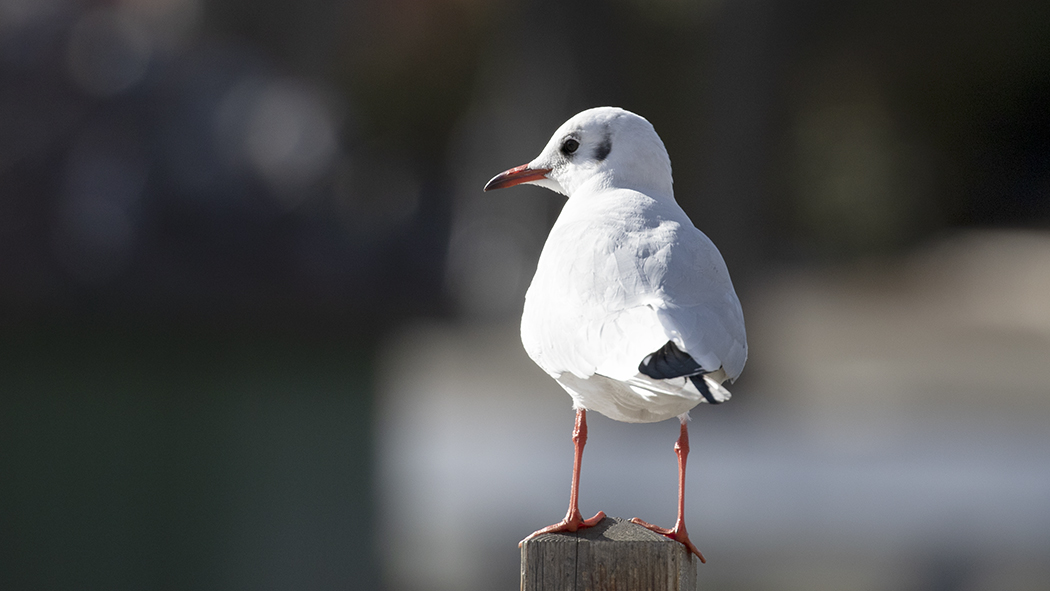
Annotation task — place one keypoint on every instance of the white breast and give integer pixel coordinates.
(620, 275)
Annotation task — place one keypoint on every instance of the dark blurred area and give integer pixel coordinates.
(215, 216)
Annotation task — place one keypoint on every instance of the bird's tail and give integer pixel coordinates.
(710, 386)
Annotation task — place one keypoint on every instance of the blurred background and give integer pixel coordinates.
(258, 322)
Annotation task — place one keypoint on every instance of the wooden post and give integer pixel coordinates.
(613, 555)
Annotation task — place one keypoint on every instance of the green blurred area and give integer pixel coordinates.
(176, 459)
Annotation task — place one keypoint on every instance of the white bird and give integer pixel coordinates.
(631, 309)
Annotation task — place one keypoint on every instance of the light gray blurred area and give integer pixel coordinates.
(889, 432)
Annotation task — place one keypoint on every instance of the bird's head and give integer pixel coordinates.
(604, 147)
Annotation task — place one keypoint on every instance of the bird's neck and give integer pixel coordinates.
(606, 181)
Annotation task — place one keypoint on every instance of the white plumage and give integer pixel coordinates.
(624, 271)
(631, 309)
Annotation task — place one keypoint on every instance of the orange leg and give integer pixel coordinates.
(681, 448)
(573, 519)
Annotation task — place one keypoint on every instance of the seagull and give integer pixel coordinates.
(631, 309)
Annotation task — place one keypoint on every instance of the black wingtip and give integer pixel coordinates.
(669, 362)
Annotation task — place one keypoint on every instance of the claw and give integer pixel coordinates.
(569, 524)
(678, 534)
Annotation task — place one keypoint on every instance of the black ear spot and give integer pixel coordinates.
(570, 146)
(601, 152)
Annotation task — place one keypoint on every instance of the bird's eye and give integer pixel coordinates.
(569, 146)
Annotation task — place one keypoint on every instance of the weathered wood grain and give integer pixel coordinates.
(615, 555)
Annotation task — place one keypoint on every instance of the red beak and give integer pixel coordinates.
(516, 176)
